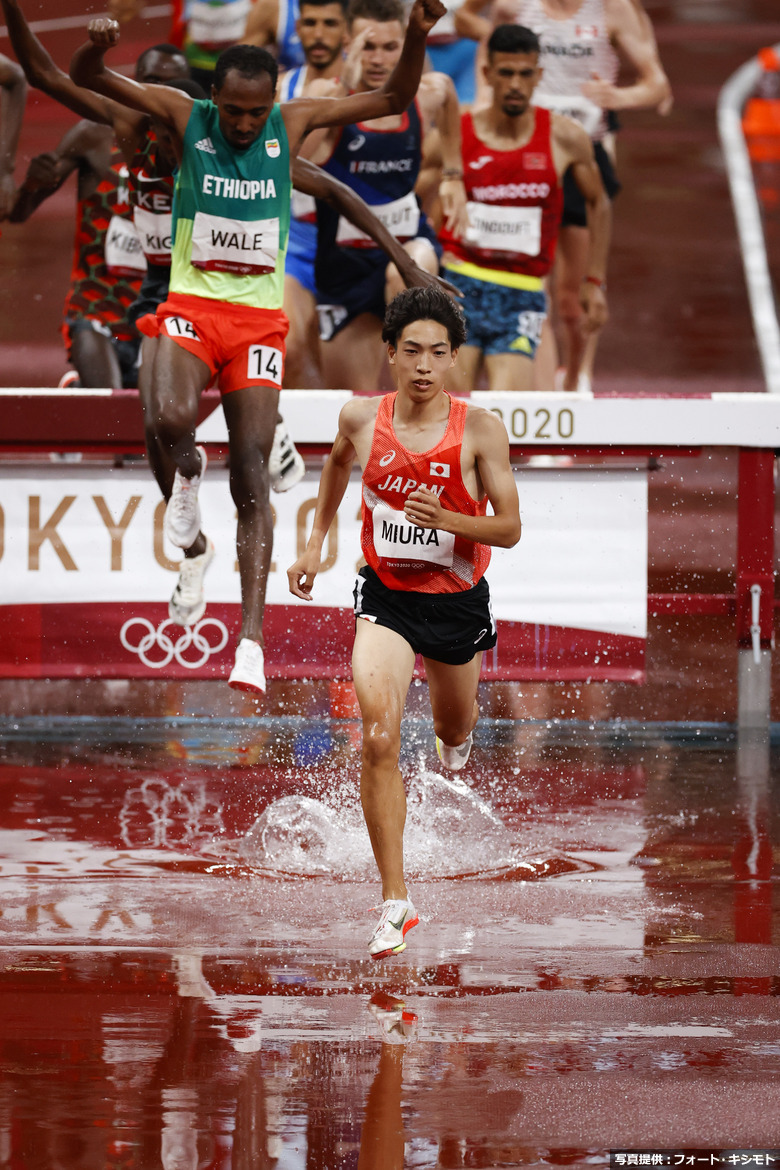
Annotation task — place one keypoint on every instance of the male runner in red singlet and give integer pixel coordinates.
(431, 465)
(514, 158)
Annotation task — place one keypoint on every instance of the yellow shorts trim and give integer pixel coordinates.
(495, 275)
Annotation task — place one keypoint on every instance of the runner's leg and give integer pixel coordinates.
(160, 459)
(382, 668)
(178, 380)
(95, 358)
(251, 416)
(453, 694)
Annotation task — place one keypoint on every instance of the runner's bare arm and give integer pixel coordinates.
(87, 68)
(314, 181)
(307, 114)
(333, 484)
(577, 151)
(487, 434)
(14, 96)
(469, 21)
(446, 118)
(639, 51)
(43, 74)
(48, 171)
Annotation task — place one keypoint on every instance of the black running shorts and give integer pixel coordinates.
(447, 627)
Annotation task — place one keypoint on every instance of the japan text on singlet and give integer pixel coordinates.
(573, 51)
(514, 202)
(231, 213)
(381, 166)
(108, 263)
(404, 555)
(151, 198)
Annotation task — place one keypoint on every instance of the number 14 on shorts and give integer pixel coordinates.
(265, 362)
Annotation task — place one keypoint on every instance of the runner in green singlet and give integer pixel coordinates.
(224, 314)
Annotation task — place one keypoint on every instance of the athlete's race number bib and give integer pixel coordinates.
(401, 545)
(265, 362)
(154, 232)
(122, 251)
(505, 229)
(180, 327)
(575, 106)
(401, 217)
(248, 248)
(217, 24)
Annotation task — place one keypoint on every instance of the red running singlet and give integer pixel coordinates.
(514, 202)
(403, 555)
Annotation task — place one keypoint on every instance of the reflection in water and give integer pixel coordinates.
(382, 1136)
(221, 1019)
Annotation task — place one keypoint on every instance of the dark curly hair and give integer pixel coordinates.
(249, 61)
(423, 304)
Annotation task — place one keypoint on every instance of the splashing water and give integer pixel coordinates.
(450, 832)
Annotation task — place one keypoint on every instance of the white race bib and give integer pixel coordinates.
(402, 545)
(154, 232)
(578, 108)
(505, 229)
(122, 251)
(401, 218)
(217, 24)
(249, 248)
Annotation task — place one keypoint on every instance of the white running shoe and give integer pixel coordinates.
(188, 605)
(285, 465)
(455, 758)
(398, 916)
(248, 673)
(182, 516)
(397, 1024)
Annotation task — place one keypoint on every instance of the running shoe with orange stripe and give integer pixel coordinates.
(389, 937)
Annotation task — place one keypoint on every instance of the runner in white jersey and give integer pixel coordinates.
(583, 44)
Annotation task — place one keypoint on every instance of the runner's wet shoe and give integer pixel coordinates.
(455, 758)
(398, 916)
(285, 465)
(397, 1024)
(248, 674)
(182, 516)
(188, 605)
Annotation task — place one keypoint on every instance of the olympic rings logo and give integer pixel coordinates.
(188, 637)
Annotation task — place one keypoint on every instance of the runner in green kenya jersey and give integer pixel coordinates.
(233, 255)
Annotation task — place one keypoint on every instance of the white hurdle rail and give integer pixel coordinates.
(34, 422)
(748, 216)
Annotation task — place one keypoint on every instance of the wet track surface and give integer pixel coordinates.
(185, 981)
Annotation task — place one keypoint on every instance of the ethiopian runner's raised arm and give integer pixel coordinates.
(87, 69)
(306, 114)
(312, 180)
